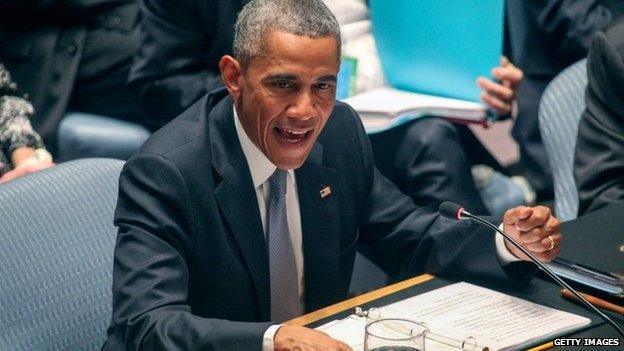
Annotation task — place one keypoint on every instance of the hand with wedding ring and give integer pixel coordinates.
(536, 229)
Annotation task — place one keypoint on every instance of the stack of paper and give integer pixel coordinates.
(462, 310)
(384, 108)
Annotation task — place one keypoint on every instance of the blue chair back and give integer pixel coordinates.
(84, 135)
(559, 114)
(56, 259)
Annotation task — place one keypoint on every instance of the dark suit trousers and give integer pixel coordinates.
(533, 158)
(430, 159)
(101, 80)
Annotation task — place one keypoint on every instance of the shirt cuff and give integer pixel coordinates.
(501, 249)
(269, 335)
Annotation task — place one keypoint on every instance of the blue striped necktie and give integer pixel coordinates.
(285, 302)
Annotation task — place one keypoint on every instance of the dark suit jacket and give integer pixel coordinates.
(542, 38)
(190, 257)
(599, 158)
(177, 62)
(45, 44)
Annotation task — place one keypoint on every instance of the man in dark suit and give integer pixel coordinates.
(543, 38)
(177, 61)
(599, 158)
(250, 205)
(70, 55)
(176, 64)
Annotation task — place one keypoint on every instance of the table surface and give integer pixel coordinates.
(597, 239)
(594, 240)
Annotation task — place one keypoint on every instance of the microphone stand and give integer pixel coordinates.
(463, 214)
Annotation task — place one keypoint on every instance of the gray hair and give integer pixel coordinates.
(309, 18)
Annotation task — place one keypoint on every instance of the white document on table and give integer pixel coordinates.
(461, 310)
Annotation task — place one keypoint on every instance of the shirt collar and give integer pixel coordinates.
(260, 166)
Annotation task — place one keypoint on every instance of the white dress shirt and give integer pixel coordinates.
(261, 169)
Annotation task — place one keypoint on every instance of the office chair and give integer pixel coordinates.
(57, 239)
(83, 135)
(559, 114)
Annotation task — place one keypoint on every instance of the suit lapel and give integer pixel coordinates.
(236, 198)
(320, 228)
(320, 224)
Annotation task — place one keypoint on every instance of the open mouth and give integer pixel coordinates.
(292, 136)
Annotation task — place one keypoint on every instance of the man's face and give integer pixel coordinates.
(285, 97)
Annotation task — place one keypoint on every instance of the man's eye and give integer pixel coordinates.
(323, 86)
(282, 84)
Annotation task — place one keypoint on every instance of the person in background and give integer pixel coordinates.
(599, 156)
(21, 148)
(181, 43)
(177, 63)
(70, 55)
(431, 159)
(542, 38)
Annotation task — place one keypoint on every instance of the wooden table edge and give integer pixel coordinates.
(546, 346)
(357, 301)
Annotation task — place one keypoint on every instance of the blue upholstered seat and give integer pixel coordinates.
(57, 239)
(560, 111)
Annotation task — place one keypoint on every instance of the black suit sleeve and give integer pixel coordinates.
(30, 4)
(599, 158)
(574, 23)
(404, 239)
(151, 278)
(170, 70)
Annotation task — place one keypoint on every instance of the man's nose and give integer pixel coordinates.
(303, 107)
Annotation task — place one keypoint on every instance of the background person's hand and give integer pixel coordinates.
(500, 96)
(289, 338)
(25, 169)
(536, 229)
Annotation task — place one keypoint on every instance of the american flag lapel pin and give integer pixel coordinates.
(325, 192)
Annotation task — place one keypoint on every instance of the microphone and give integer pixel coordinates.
(452, 210)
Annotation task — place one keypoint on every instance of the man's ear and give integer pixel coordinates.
(231, 73)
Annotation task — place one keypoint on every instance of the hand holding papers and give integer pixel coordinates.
(438, 47)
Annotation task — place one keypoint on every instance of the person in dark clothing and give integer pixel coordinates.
(177, 61)
(70, 55)
(543, 38)
(599, 158)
